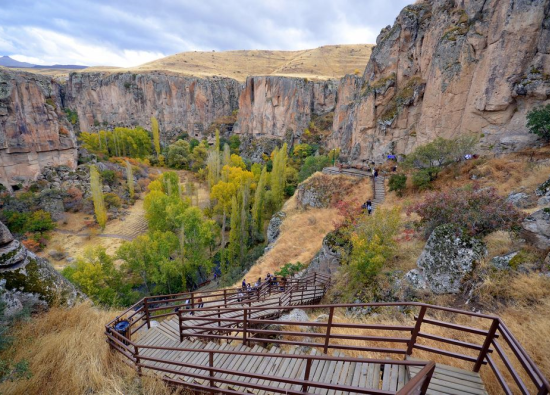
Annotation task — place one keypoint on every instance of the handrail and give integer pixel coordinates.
(246, 318)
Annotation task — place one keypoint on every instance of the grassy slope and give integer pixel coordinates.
(333, 61)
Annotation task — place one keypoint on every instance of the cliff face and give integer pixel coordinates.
(179, 103)
(282, 107)
(34, 131)
(445, 68)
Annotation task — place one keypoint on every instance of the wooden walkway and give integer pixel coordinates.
(335, 171)
(269, 365)
(379, 191)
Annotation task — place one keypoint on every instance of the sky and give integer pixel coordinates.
(128, 33)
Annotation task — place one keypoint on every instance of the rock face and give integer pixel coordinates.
(274, 227)
(180, 103)
(447, 68)
(282, 107)
(27, 280)
(34, 131)
(449, 255)
(536, 228)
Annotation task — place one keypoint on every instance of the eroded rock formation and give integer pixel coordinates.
(34, 131)
(29, 281)
(282, 107)
(448, 67)
(180, 103)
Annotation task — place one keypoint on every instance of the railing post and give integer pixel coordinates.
(290, 299)
(245, 324)
(219, 317)
(258, 291)
(314, 277)
(225, 298)
(211, 364)
(181, 325)
(146, 308)
(329, 326)
(136, 356)
(486, 345)
(193, 301)
(416, 330)
(306, 374)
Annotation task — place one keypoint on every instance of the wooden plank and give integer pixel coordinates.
(376, 376)
(363, 377)
(386, 377)
(263, 368)
(449, 387)
(233, 363)
(344, 375)
(394, 371)
(402, 377)
(356, 375)
(283, 368)
(327, 375)
(245, 367)
(335, 377)
(451, 373)
(274, 365)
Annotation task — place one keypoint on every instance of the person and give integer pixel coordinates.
(283, 284)
(188, 306)
(248, 287)
(375, 173)
(240, 296)
(259, 282)
(369, 207)
(244, 283)
(201, 304)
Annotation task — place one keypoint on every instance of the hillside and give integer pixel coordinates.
(331, 61)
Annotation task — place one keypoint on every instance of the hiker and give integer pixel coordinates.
(369, 207)
(258, 283)
(240, 297)
(244, 283)
(283, 284)
(201, 304)
(188, 306)
(375, 173)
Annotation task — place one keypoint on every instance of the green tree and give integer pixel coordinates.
(278, 177)
(312, 164)
(97, 195)
(223, 193)
(226, 160)
(538, 121)
(398, 183)
(232, 255)
(156, 135)
(259, 199)
(178, 155)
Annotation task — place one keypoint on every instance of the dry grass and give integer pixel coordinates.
(498, 243)
(331, 61)
(67, 354)
(303, 231)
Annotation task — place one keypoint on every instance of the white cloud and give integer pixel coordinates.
(57, 48)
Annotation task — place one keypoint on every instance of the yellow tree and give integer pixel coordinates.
(223, 192)
(156, 134)
(97, 196)
(259, 198)
(130, 179)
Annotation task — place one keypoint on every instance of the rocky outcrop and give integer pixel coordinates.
(282, 107)
(34, 131)
(274, 227)
(448, 257)
(29, 281)
(536, 229)
(180, 103)
(447, 68)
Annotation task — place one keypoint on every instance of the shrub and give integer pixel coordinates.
(479, 211)
(311, 165)
(422, 179)
(290, 269)
(441, 152)
(108, 176)
(112, 200)
(398, 183)
(538, 121)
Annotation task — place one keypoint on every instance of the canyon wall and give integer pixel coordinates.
(445, 68)
(282, 107)
(180, 103)
(34, 131)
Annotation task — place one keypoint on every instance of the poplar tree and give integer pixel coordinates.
(130, 179)
(234, 236)
(259, 199)
(156, 135)
(97, 196)
(226, 155)
(280, 159)
(245, 204)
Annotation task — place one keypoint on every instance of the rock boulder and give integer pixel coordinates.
(449, 256)
(536, 229)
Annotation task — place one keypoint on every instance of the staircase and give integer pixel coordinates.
(379, 191)
(266, 368)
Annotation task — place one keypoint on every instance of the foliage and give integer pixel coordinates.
(278, 177)
(213, 163)
(422, 179)
(156, 135)
(108, 176)
(97, 276)
(130, 180)
(72, 116)
(38, 221)
(178, 155)
(112, 200)
(441, 152)
(479, 211)
(11, 370)
(97, 196)
(538, 121)
(398, 183)
(234, 144)
(134, 143)
(372, 244)
(313, 164)
(259, 198)
(302, 151)
(290, 269)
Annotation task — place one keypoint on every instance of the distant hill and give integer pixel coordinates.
(331, 61)
(6, 61)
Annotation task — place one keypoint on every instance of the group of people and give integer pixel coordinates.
(189, 305)
(367, 206)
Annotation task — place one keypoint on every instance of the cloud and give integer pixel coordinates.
(122, 33)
